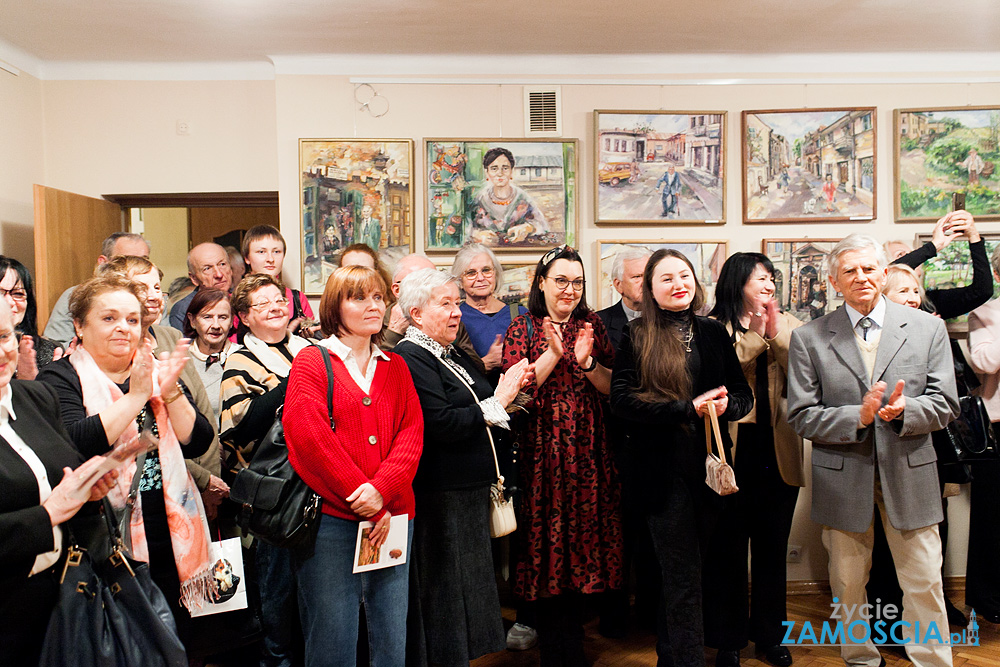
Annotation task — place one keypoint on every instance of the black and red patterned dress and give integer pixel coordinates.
(572, 532)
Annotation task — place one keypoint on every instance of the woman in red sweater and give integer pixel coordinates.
(363, 469)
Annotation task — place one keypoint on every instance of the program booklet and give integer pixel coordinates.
(391, 553)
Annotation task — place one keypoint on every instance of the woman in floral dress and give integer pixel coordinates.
(569, 528)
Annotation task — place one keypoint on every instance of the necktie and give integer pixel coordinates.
(865, 323)
(211, 359)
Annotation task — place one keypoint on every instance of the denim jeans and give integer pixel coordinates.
(277, 583)
(330, 594)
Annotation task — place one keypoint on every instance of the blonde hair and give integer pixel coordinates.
(895, 274)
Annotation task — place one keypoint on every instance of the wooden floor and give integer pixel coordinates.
(637, 649)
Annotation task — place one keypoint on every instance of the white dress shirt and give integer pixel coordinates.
(346, 354)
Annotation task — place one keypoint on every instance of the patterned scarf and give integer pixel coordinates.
(189, 535)
(418, 337)
(270, 359)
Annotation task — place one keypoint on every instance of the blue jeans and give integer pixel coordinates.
(330, 594)
(277, 583)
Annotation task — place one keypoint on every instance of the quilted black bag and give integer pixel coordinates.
(276, 505)
(969, 437)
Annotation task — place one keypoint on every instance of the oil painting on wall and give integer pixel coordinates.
(943, 151)
(952, 267)
(353, 191)
(707, 257)
(517, 277)
(508, 194)
(800, 276)
(811, 165)
(659, 166)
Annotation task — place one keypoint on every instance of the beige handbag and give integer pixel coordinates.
(719, 475)
(502, 518)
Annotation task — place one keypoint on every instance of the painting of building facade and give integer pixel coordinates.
(507, 194)
(707, 257)
(353, 191)
(659, 166)
(801, 166)
(943, 151)
(800, 276)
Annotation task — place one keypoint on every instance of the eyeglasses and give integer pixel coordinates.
(264, 305)
(485, 272)
(16, 293)
(563, 283)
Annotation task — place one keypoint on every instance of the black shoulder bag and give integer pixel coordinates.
(277, 506)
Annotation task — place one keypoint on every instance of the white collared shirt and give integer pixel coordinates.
(346, 354)
(629, 313)
(877, 317)
(49, 558)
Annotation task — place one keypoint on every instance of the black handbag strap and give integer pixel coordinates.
(329, 386)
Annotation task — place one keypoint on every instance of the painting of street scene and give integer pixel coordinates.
(353, 191)
(707, 257)
(507, 194)
(801, 166)
(800, 276)
(659, 166)
(943, 151)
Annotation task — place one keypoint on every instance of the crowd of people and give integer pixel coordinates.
(595, 421)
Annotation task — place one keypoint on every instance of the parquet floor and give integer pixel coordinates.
(637, 649)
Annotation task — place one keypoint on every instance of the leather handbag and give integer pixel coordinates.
(110, 613)
(969, 437)
(719, 475)
(277, 507)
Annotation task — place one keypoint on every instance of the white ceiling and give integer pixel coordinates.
(165, 31)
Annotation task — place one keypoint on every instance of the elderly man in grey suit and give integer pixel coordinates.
(872, 444)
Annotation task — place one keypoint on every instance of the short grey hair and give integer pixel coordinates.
(627, 254)
(852, 243)
(108, 247)
(415, 290)
(468, 253)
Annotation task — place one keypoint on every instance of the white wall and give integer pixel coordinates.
(21, 162)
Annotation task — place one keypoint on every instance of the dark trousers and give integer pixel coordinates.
(680, 529)
(24, 617)
(755, 521)
(982, 577)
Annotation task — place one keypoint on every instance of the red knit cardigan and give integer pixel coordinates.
(379, 442)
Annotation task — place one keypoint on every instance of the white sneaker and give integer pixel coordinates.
(521, 637)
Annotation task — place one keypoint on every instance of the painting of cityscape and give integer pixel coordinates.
(800, 276)
(509, 194)
(353, 191)
(943, 151)
(659, 166)
(707, 257)
(810, 165)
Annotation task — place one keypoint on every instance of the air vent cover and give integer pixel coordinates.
(542, 112)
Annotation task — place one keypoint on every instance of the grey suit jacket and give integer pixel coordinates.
(826, 383)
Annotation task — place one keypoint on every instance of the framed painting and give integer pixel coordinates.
(941, 151)
(659, 167)
(517, 277)
(707, 257)
(809, 165)
(800, 276)
(952, 267)
(509, 194)
(353, 191)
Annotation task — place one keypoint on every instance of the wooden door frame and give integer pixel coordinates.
(195, 199)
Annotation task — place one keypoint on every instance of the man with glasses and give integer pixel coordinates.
(208, 268)
(120, 244)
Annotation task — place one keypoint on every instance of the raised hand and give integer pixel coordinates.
(553, 336)
(871, 402)
(171, 366)
(896, 404)
(141, 376)
(584, 345)
(27, 366)
(513, 381)
(493, 358)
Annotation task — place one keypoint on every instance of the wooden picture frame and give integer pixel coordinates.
(707, 256)
(633, 154)
(800, 276)
(938, 151)
(538, 212)
(353, 191)
(517, 277)
(809, 165)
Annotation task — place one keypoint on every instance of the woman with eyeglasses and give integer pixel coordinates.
(569, 525)
(486, 317)
(18, 288)
(253, 387)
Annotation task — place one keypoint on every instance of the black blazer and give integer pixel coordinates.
(667, 439)
(615, 320)
(456, 450)
(25, 528)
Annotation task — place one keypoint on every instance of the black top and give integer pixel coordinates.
(457, 450)
(87, 432)
(615, 320)
(667, 438)
(957, 301)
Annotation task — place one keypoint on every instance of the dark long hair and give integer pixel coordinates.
(29, 325)
(536, 298)
(733, 278)
(661, 357)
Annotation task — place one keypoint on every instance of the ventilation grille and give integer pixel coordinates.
(542, 112)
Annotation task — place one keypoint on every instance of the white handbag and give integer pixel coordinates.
(719, 475)
(502, 518)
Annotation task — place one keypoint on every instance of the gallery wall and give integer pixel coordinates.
(21, 161)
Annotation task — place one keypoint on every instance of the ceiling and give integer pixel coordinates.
(166, 31)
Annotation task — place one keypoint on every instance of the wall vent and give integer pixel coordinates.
(542, 111)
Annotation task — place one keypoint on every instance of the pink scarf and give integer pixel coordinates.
(189, 535)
